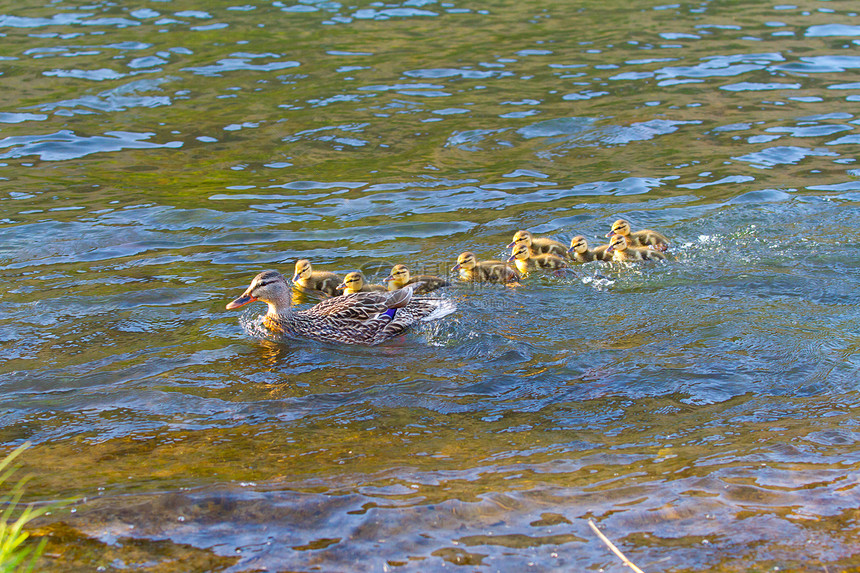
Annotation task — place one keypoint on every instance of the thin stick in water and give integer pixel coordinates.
(614, 549)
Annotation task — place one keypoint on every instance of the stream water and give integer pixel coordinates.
(155, 156)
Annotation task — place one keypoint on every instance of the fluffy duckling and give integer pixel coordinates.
(526, 261)
(400, 277)
(539, 245)
(360, 318)
(308, 279)
(621, 251)
(580, 252)
(484, 271)
(643, 238)
(354, 282)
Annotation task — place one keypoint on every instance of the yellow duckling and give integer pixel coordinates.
(622, 252)
(354, 282)
(539, 245)
(580, 252)
(643, 238)
(485, 271)
(525, 261)
(400, 277)
(361, 318)
(308, 279)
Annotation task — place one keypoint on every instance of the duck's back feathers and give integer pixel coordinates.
(400, 277)
(360, 304)
(643, 238)
(360, 318)
(325, 282)
(600, 253)
(495, 272)
(545, 246)
(649, 238)
(548, 261)
(596, 254)
(641, 254)
(427, 283)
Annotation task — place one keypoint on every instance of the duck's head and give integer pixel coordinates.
(521, 237)
(352, 282)
(303, 270)
(466, 261)
(270, 287)
(521, 252)
(617, 243)
(619, 227)
(399, 274)
(578, 244)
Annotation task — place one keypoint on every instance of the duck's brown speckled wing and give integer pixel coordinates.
(360, 318)
(360, 305)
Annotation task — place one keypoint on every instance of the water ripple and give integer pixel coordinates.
(66, 144)
(154, 159)
(240, 64)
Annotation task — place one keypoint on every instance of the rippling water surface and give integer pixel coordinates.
(155, 156)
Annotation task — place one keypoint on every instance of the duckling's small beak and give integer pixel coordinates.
(511, 259)
(388, 278)
(610, 249)
(570, 250)
(511, 245)
(241, 301)
(609, 234)
(295, 277)
(341, 286)
(455, 268)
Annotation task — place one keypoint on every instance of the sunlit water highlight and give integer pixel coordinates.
(702, 410)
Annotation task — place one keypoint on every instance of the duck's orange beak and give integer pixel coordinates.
(241, 301)
(388, 278)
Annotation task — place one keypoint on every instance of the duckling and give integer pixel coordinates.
(621, 251)
(643, 238)
(484, 271)
(360, 318)
(539, 245)
(354, 282)
(400, 277)
(580, 252)
(526, 262)
(308, 279)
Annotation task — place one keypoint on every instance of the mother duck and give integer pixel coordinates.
(367, 318)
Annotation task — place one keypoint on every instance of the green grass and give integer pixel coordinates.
(14, 556)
